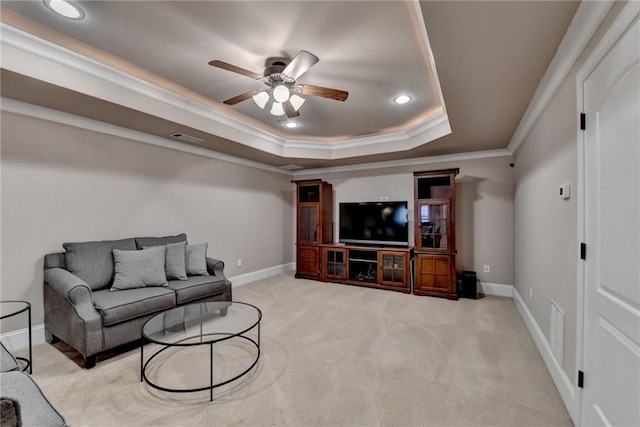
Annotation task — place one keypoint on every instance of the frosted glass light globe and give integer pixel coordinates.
(277, 109)
(281, 93)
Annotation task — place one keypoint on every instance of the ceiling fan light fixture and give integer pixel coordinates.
(296, 101)
(261, 99)
(281, 93)
(65, 8)
(277, 109)
(402, 99)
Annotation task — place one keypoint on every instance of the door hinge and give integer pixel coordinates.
(580, 379)
(583, 121)
(583, 251)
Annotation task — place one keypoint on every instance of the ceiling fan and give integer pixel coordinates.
(280, 79)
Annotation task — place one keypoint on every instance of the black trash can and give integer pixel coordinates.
(469, 284)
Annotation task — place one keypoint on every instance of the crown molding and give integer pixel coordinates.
(55, 116)
(29, 48)
(584, 24)
(445, 158)
(433, 128)
(30, 110)
(36, 57)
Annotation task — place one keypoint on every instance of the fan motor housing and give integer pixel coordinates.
(276, 68)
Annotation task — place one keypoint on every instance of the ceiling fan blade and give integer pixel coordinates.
(325, 92)
(289, 110)
(233, 68)
(241, 97)
(300, 64)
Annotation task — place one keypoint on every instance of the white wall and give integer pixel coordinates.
(546, 226)
(63, 184)
(484, 207)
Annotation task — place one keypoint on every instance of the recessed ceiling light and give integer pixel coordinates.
(65, 8)
(402, 99)
(291, 125)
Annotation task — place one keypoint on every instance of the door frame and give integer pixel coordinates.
(625, 18)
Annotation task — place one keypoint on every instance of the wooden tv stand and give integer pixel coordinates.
(377, 267)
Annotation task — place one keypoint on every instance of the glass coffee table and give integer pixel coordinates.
(227, 333)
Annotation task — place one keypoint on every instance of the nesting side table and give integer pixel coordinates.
(14, 308)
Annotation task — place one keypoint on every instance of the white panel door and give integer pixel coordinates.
(611, 394)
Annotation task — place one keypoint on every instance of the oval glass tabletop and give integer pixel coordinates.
(201, 323)
(11, 308)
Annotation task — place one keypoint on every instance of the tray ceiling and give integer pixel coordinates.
(470, 67)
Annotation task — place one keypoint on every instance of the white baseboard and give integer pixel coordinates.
(243, 279)
(564, 385)
(19, 340)
(496, 289)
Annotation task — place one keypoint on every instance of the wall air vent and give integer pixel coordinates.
(188, 138)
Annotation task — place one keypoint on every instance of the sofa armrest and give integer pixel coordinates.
(69, 286)
(69, 312)
(215, 267)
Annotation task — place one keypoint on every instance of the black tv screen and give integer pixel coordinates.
(374, 223)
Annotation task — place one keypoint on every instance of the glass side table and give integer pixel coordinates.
(14, 308)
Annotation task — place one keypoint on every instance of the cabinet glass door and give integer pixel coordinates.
(433, 225)
(335, 263)
(308, 227)
(392, 268)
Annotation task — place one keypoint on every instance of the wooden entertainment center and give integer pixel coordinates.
(318, 257)
(386, 268)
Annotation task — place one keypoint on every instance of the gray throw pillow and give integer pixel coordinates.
(175, 264)
(137, 269)
(196, 260)
(93, 261)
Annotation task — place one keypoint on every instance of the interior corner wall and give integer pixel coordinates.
(484, 207)
(546, 226)
(64, 184)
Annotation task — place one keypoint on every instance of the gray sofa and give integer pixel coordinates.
(82, 308)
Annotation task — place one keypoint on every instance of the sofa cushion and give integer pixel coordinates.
(175, 264)
(35, 409)
(196, 260)
(137, 269)
(93, 261)
(196, 287)
(55, 260)
(159, 241)
(116, 307)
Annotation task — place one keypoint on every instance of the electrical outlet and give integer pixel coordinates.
(239, 262)
(487, 269)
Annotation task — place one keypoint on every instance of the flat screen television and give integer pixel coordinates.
(374, 223)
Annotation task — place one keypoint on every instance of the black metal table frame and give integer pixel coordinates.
(182, 343)
(27, 308)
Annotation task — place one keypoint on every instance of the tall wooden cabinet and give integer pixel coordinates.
(435, 243)
(314, 215)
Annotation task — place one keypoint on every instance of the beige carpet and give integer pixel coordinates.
(333, 355)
